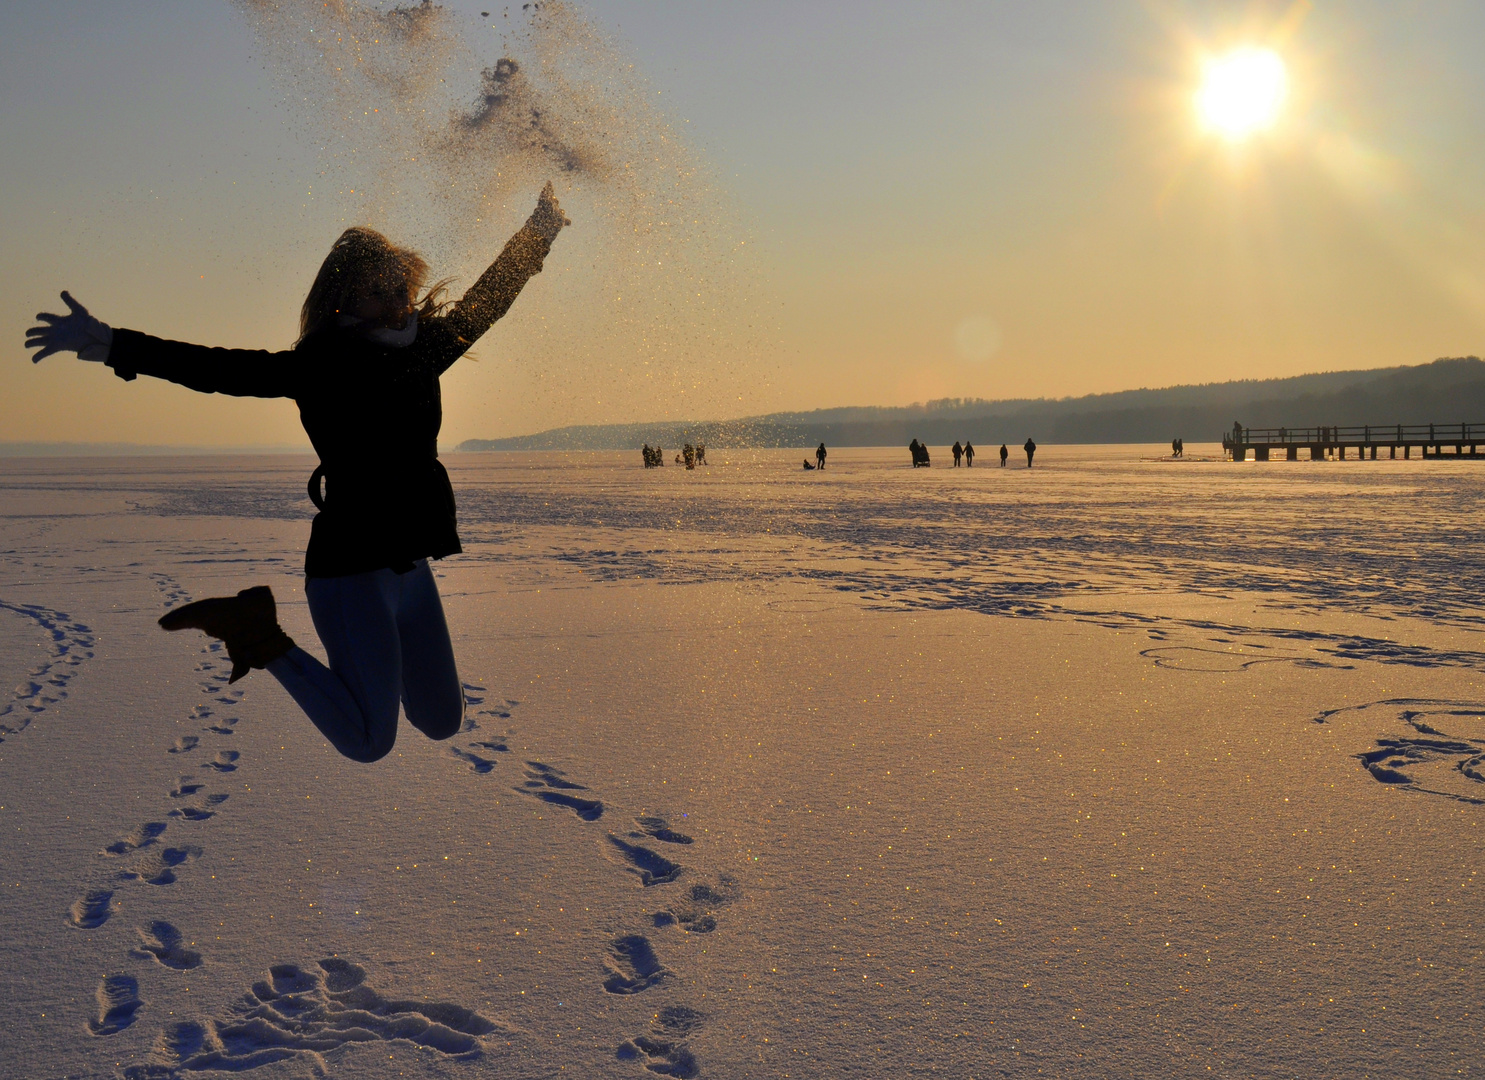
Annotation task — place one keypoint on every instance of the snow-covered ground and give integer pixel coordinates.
(1112, 767)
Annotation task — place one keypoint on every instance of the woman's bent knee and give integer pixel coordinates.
(365, 755)
(440, 721)
(440, 728)
(371, 746)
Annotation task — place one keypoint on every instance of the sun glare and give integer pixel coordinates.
(1242, 92)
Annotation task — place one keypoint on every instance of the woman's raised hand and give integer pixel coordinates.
(76, 332)
(548, 218)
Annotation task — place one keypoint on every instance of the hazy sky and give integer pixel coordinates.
(959, 199)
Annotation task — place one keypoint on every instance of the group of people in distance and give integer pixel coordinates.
(1178, 447)
(963, 453)
(690, 456)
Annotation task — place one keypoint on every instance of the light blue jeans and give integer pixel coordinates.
(388, 643)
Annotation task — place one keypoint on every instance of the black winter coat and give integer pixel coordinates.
(372, 411)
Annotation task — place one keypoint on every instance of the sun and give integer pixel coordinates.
(1242, 92)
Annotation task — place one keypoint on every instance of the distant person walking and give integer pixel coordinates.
(374, 340)
(820, 456)
(969, 454)
(958, 452)
(1004, 453)
(1030, 449)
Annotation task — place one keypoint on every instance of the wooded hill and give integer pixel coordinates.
(1445, 391)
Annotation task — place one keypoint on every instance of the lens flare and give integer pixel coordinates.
(1242, 92)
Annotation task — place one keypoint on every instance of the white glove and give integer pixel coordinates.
(548, 218)
(76, 332)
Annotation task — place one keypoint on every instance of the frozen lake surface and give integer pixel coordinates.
(1112, 767)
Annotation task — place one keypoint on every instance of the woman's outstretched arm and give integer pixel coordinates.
(492, 295)
(240, 372)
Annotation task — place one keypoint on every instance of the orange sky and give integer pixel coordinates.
(997, 200)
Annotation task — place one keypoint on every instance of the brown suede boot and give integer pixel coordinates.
(246, 623)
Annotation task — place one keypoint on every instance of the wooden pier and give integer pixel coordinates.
(1333, 443)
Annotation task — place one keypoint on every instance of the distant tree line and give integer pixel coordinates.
(1446, 391)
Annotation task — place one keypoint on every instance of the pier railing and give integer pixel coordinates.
(1386, 435)
(1324, 441)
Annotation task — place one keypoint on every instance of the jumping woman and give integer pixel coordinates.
(364, 373)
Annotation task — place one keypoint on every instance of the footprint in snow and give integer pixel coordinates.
(660, 829)
(632, 966)
(158, 867)
(542, 779)
(651, 867)
(142, 837)
(165, 944)
(661, 1049)
(696, 912)
(476, 762)
(93, 910)
(118, 1001)
(225, 761)
(201, 810)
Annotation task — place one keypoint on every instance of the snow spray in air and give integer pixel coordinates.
(439, 127)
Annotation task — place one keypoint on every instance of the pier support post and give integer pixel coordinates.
(1394, 452)
(1293, 453)
(1260, 453)
(1374, 453)
(1341, 451)
(1407, 451)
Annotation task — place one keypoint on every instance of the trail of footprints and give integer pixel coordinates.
(146, 854)
(69, 644)
(299, 1013)
(631, 964)
(151, 853)
(476, 754)
(307, 1012)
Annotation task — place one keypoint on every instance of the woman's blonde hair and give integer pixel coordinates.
(363, 264)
